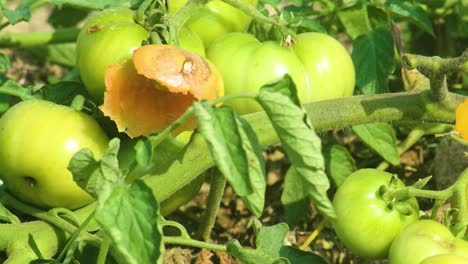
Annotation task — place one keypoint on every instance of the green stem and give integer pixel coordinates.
(436, 64)
(9, 201)
(101, 259)
(410, 191)
(78, 102)
(217, 185)
(462, 199)
(177, 20)
(193, 243)
(30, 39)
(75, 236)
(252, 12)
(324, 116)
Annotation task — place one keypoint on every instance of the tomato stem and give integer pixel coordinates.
(103, 250)
(193, 243)
(217, 185)
(177, 20)
(30, 39)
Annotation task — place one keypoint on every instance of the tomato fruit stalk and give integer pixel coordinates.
(319, 65)
(365, 222)
(37, 141)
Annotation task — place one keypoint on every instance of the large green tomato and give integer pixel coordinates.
(319, 65)
(215, 19)
(446, 259)
(37, 141)
(423, 239)
(109, 38)
(364, 222)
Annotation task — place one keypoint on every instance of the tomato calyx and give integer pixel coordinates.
(395, 202)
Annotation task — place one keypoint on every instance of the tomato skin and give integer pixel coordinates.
(446, 259)
(215, 19)
(313, 62)
(423, 239)
(108, 38)
(37, 141)
(364, 222)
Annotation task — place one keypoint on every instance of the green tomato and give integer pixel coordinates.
(446, 259)
(215, 19)
(109, 38)
(37, 141)
(423, 239)
(364, 222)
(319, 65)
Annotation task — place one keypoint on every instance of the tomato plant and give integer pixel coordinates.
(313, 62)
(215, 19)
(38, 139)
(423, 239)
(109, 38)
(365, 222)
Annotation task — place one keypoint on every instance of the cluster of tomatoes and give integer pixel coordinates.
(373, 227)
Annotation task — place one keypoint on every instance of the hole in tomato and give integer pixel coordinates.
(30, 180)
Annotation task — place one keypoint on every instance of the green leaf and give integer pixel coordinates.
(62, 92)
(355, 20)
(18, 15)
(255, 201)
(63, 54)
(412, 12)
(97, 177)
(374, 61)
(380, 137)
(339, 164)
(220, 130)
(4, 103)
(4, 62)
(13, 88)
(294, 198)
(144, 153)
(66, 16)
(301, 144)
(7, 216)
(297, 256)
(270, 248)
(270, 239)
(129, 216)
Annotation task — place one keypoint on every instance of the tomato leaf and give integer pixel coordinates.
(5, 63)
(381, 138)
(256, 166)
(18, 15)
(97, 177)
(412, 12)
(373, 59)
(7, 216)
(270, 248)
(301, 144)
(339, 164)
(220, 130)
(66, 16)
(129, 217)
(62, 92)
(13, 88)
(294, 198)
(355, 20)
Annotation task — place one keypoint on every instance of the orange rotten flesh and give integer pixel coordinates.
(461, 123)
(147, 94)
